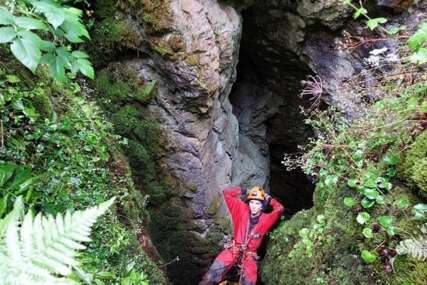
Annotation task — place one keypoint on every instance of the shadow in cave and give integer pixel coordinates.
(272, 82)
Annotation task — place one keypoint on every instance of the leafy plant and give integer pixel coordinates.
(14, 181)
(416, 248)
(42, 250)
(371, 23)
(23, 27)
(417, 44)
(368, 256)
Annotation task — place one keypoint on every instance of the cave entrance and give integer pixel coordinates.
(266, 103)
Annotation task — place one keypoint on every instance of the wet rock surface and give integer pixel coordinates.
(220, 130)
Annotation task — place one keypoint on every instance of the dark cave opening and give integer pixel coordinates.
(283, 121)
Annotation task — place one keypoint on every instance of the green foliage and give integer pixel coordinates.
(37, 32)
(368, 256)
(70, 146)
(40, 250)
(417, 43)
(358, 166)
(14, 181)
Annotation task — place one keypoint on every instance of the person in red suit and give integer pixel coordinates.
(250, 225)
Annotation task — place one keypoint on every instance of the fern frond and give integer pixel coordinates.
(414, 247)
(42, 249)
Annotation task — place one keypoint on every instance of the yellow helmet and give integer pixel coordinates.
(256, 193)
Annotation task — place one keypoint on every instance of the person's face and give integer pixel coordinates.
(255, 206)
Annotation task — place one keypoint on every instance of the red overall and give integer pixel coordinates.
(240, 215)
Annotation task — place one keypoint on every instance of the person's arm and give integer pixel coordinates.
(232, 200)
(274, 215)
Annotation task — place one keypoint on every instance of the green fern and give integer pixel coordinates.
(41, 250)
(414, 247)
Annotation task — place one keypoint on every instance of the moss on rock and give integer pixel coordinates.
(414, 163)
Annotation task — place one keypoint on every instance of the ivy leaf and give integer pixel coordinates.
(371, 193)
(7, 34)
(349, 202)
(54, 14)
(353, 183)
(380, 200)
(373, 23)
(402, 203)
(6, 18)
(419, 38)
(366, 203)
(363, 217)
(368, 256)
(419, 211)
(419, 57)
(367, 233)
(383, 183)
(386, 221)
(391, 159)
(27, 52)
(360, 11)
(30, 23)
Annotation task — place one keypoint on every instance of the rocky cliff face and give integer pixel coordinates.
(212, 135)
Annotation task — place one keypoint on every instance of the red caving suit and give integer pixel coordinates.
(240, 215)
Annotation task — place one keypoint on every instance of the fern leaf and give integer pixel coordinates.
(43, 249)
(414, 247)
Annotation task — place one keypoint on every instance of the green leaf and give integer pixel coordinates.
(331, 180)
(363, 217)
(386, 221)
(383, 183)
(368, 256)
(79, 54)
(366, 203)
(30, 23)
(73, 28)
(391, 231)
(13, 79)
(380, 200)
(6, 172)
(419, 211)
(349, 202)
(370, 193)
(419, 57)
(419, 38)
(373, 23)
(360, 11)
(7, 34)
(3, 204)
(86, 68)
(353, 183)
(6, 18)
(367, 233)
(358, 155)
(56, 68)
(402, 203)
(54, 13)
(391, 159)
(395, 30)
(27, 52)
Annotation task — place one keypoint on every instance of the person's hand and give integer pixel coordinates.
(268, 198)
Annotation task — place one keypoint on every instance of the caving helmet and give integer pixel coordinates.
(256, 193)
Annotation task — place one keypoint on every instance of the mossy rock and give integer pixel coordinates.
(414, 163)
